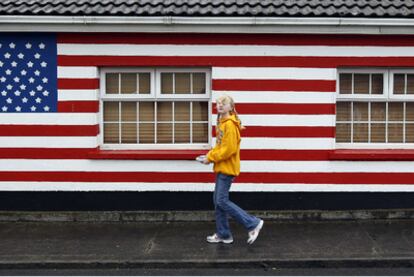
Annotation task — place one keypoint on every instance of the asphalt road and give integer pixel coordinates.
(213, 272)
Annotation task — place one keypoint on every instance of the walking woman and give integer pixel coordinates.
(226, 158)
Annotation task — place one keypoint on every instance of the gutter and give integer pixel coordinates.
(11, 23)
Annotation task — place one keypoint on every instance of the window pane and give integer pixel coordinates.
(200, 132)
(199, 83)
(360, 132)
(395, 111)
(164, 111)
(111, 133)
(410, 83)
(129, 133)
(343, 111)
(167, 83)
(182, 83)
(112, 83)
(361, 83)
(182, 132)
(164, 133)
(409, 133)
(360, 111)
(146, 133)
(129, 111)
(200, 111)
(399, 83)
(182, 111)
(146, 111)
(343, 132)
(144, 83)
(345, 83)
(111, 111)
(395, 132)
(377, 82)
(377, 132)
(378, 111)
(409, 111)
(128, 83)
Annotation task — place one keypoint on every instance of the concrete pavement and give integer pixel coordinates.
(366, 243)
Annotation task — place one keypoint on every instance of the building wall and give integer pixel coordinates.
(284, 87)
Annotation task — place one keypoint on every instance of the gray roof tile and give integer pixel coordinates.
(264, 8)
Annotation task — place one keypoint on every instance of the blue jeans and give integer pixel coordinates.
(224, 207)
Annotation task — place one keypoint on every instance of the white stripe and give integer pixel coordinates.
(191, 166)
(286, 143)
(77, 72)
(92, 119)
(104, 165)
(232, 50)
(278, 97)
(206, 187)
(284, 120)
(49, 118)
(48, 142)
(78, 95)
(273, 73)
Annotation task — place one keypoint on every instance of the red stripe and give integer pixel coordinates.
(49, 130)
(92, 153)
(93, 130)
(275, 85)
(267, 108)
(78, 83)
(226, 61)
(328, 178)
(185, 177)
(237, 39)
(286, 132)
(373, 154)
(242, 108)
(146, 154)
(245, 154)
(78, 106)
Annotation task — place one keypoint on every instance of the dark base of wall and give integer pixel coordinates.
(199, 201)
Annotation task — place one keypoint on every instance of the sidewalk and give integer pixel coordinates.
(182, 245)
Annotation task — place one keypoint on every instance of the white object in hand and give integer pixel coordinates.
(201, 158)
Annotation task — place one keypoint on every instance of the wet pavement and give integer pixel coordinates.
(281, 244)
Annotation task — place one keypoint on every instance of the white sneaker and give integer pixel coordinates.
(255, 232)
(216, 239)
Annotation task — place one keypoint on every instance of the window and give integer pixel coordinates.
(155, 108)
(375, 108)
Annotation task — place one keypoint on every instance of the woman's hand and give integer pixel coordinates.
(206, 161)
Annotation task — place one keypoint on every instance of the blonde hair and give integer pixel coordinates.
(225, 99)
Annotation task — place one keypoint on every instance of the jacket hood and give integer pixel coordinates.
(233, 119)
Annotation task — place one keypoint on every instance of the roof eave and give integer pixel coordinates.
(337, 25)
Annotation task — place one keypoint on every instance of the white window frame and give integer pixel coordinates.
(400, 96)
(387, 97)
(155, 77)
(182, 70)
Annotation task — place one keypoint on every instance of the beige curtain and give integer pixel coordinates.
(361, 83)
(345, 83)
(112, 83)
(399, 83)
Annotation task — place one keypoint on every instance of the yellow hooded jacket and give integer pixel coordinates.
(226, 153)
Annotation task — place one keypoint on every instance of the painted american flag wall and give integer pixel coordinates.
(284, 87)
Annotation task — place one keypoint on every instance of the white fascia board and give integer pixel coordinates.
(206, 24)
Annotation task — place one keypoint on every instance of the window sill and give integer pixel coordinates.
(373, 154)
(145, 154)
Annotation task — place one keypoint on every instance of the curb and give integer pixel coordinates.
(240, 263)
(199, 216)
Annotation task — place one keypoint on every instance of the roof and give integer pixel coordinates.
(197, 8)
